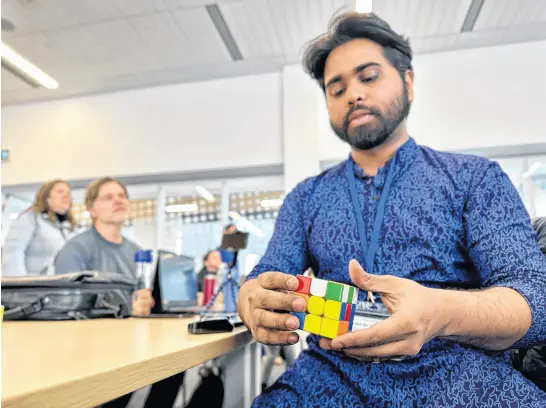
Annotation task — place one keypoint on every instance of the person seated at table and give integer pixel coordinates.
(212, 261)
(103, 248)
(40, 232)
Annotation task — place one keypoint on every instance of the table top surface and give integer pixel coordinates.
(85, 363)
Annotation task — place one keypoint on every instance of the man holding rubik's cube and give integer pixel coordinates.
(331, 306)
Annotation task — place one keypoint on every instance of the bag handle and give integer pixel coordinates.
(21, 312)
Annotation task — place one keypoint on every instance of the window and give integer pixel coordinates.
(255, 212)
(528, 174)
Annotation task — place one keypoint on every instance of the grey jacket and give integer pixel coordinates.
(32, 243)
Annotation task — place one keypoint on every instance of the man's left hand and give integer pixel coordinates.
(415, 319)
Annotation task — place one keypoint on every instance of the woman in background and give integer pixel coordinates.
(40, 232)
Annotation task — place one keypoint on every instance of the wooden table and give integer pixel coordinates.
(86, 363)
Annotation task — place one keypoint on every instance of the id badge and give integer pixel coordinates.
(369, 313)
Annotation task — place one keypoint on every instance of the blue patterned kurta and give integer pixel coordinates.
(450, 221)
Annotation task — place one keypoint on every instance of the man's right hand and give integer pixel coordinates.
(257, 300)
(142, 302)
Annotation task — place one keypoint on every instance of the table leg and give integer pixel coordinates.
(253, 371)
(246, 363)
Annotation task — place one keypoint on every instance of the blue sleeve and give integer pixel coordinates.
(287, 250)
(503, 245)
(71, 258)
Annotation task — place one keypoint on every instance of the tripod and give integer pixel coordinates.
(228, 281)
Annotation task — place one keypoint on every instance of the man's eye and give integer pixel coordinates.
(338, 91)
(368, 77)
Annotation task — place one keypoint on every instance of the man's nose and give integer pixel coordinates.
(356, 94)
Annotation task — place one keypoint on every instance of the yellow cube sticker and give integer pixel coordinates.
(332, 309)
(312, 324)
(329, 328)
(315, 305)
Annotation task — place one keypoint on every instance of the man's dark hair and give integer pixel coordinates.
(352, 25)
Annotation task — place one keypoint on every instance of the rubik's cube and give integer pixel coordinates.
(331, 306)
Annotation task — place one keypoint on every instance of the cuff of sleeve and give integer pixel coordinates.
(535, 296)
(258, 269)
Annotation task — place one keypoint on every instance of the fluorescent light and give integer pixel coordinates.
(363, 6)
(13, 58)
(272, 203)
(244, 223)
(181, 208)
(206, 194)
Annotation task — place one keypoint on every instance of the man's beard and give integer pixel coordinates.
(368, 136)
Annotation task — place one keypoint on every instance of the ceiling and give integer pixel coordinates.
(94, 46)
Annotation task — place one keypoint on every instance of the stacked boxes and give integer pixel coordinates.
(331, 306)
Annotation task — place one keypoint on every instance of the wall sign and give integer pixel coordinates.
(4, 155)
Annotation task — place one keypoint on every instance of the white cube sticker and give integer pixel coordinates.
(318, 287)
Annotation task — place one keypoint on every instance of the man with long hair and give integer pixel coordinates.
(103, 248)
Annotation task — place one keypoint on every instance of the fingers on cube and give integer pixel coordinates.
(332, 309)
(301, 318)
(304, 284)
(315, 305)
(329, 328)
(318, 287)
(312, 324)
(343, 328)
(334, 291)
(303, 296)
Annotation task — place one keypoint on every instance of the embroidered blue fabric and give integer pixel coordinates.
(451, 221)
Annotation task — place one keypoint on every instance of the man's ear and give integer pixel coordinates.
(408, 79)
(92, 213)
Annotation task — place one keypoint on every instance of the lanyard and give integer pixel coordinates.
(371, 249)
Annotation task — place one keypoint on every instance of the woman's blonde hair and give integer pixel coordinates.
(41, 205)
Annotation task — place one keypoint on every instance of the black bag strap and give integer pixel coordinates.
(21, 312)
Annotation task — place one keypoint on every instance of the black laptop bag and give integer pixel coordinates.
(72, 296)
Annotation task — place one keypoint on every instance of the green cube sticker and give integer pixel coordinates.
(334, 291)
(351, 294)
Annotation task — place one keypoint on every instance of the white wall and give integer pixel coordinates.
(471, 99)
(208, 125)
(301, 101)
(465, 100)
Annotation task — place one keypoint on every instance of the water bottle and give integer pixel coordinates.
(148, 268)
(139, 268)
